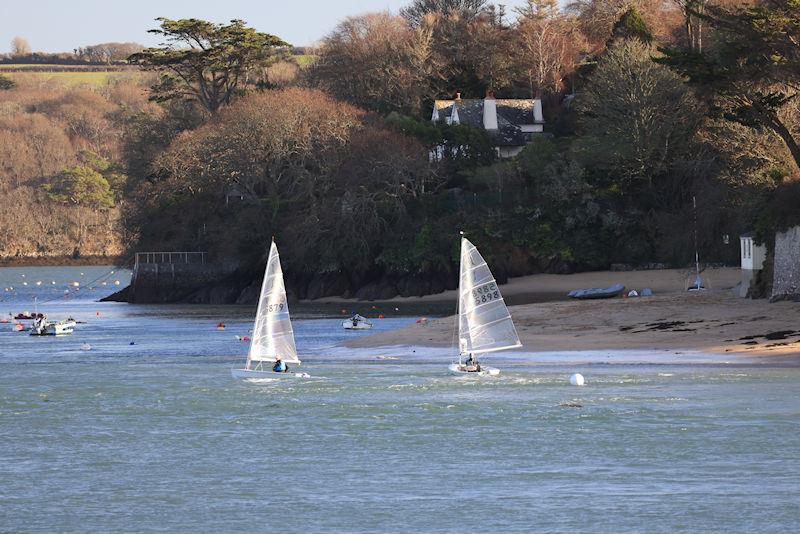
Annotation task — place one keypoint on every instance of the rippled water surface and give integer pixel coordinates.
(157, 436)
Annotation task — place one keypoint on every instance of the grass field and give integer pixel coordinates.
(304, 59)
(12, 67)
(67, 74)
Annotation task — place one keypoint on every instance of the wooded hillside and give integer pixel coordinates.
(330, 151)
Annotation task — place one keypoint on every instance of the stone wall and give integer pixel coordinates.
(171, 282)
(786, 281)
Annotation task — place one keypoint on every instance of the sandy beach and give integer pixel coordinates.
(713, 321)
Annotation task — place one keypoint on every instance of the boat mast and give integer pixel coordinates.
(696, 255)
(460, 279)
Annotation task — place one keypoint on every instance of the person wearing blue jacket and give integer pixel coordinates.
(280, 366)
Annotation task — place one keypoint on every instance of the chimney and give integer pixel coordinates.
(489, 111)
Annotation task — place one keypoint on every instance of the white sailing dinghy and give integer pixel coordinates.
(484, 324)
(273, 337)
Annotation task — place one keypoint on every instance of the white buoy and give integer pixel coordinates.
(76, 284)
(86, 346)
(577, 379)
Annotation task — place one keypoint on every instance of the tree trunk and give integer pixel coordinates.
(791, 143)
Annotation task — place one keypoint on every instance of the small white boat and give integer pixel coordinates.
(41, 327)
(484, 323)
(357, 322)
(273, 337)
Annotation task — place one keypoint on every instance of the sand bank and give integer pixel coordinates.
(712, 321)
(539, 287)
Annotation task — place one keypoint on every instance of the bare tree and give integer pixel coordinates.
(546, 46)
(20, 46)
(376, 61)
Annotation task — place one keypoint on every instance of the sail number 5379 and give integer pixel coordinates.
(486, 293)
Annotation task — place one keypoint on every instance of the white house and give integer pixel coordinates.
(752, 257)
(510, 123)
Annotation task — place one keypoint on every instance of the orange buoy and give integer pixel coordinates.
(381, 316)
(97, 314)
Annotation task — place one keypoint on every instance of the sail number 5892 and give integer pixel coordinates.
(486, 293)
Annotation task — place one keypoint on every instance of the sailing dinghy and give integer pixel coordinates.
(484, 324)
(272, 337)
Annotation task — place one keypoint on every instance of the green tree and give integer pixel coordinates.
(631, 25)
(636, 116)
(205, 62)
(6, 83)
(753, 74)
(457, 147)
(83, 186)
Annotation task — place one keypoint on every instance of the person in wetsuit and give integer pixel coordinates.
(472, 365)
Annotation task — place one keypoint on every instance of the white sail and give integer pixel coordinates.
(484, 324)
(272, 332)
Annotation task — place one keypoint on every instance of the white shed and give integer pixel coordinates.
(752, 257)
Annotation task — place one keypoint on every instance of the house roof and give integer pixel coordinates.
(511, 113)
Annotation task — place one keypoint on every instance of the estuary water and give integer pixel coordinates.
(135, 424)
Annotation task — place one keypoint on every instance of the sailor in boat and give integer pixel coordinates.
(472, 365)
(280, 366)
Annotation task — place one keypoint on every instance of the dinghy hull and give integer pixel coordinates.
(249, 374)
(459, 370)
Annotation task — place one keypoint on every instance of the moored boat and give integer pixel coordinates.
(42, 327)
(357, 322)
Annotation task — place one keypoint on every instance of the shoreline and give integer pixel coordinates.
(60, 261)
(713, 322)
